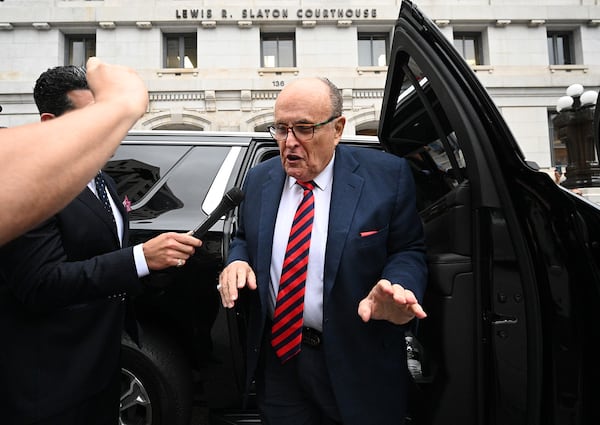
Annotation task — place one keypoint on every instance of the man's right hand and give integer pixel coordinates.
(169, 250)
(119, 85)
(234, 277)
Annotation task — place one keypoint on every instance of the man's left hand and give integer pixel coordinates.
(390, 302)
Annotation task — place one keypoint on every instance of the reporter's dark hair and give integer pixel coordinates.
(52, 86)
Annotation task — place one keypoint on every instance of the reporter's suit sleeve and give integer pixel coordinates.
(40, 275)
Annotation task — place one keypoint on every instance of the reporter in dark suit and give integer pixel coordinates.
(365, 274)
(63, 294)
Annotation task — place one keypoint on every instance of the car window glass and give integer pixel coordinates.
(160, 180)
(136, 168)
(424, 136)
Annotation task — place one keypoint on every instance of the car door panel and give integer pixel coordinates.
(509, 304)
(430, 110)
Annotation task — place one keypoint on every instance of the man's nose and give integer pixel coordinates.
(291, 137)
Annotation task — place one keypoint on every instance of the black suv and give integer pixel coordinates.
(514, 286)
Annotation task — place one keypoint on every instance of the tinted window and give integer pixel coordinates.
(160, 180)
(422, 133)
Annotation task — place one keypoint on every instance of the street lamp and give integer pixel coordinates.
(574, 127)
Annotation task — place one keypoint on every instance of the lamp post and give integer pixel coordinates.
(574, 127)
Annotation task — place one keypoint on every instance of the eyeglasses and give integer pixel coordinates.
(302, 132)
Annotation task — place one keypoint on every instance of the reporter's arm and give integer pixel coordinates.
(45, 165)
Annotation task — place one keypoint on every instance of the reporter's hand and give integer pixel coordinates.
(169, 249)
(236, 275)
(390, 302)
(117, 84)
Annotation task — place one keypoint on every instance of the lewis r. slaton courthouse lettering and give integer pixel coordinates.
(266, 14)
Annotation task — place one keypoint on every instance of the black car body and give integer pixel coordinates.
(513, 258)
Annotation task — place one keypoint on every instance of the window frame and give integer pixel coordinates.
(88, 52)
(477, 38)
(278, 37)
(182, 48)
(372, 37)
(568, 50)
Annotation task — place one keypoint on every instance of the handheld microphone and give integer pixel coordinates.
(230, 200)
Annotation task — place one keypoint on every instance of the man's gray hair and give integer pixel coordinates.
(336, 97)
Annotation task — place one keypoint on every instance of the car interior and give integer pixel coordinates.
(440, 347)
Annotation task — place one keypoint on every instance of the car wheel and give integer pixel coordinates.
(156, 382)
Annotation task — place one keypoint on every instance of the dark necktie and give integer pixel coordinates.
(131, 325)
(287, 319)
(102, 195)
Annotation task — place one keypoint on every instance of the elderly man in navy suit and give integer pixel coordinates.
(332, 248)
(63, 292)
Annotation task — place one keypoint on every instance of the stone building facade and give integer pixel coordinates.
(219, 65)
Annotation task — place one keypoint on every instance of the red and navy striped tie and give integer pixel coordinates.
(287, 319)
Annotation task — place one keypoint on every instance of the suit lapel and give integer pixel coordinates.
(91, 201)
(271, 195)
(346, 190)
(345, 193)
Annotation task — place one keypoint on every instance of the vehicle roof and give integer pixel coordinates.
(210, 137)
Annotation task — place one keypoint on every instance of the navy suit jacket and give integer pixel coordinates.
(62, 309)
(372, 191)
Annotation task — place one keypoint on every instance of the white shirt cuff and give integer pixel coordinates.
(140, 261)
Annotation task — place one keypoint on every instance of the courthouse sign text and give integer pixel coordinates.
(275, 13)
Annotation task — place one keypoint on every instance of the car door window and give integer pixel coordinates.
(423, 135)
(160, 180)
(420, 127)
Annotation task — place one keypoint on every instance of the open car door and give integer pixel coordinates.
(513, 258)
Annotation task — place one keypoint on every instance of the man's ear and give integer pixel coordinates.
(45, 116)
(340, 123)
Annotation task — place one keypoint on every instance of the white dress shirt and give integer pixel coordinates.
(290, 199)
(138, 253)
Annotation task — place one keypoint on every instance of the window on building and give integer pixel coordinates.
(558, 150)
(80, 48)
(373, 49)
(560, 49)
(469, 46)
(278, 50)
(181, 51)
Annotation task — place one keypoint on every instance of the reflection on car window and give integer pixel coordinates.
(160, 180)
(136, 168)
(423, 134)
(442, 157)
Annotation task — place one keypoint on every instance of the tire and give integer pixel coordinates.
(156, 382)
